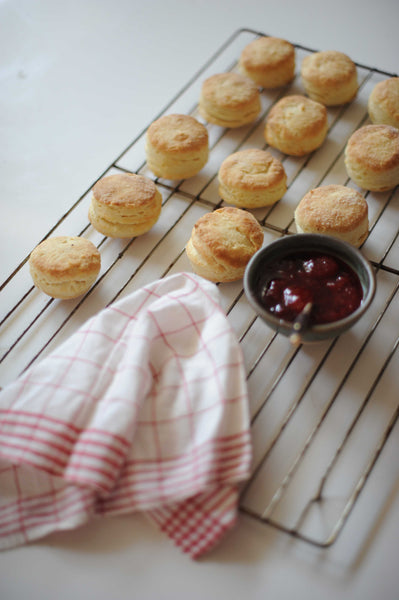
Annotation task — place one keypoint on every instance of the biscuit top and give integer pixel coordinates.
(332, 207)
(266, 53)
(251, 169)
(297, 115)
(374, 146)
(386, 94)
(328, 68)
(66, 257)
(229, 235)
(229, 90)
(177, 133)
(123, 189)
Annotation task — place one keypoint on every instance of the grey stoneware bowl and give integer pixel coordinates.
(254, 280)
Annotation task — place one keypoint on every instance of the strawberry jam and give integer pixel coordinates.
(328, 283)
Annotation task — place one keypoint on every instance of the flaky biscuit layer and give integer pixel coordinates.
(383, 102)
(372, 157)
(124, 205)
(229, 100)
(335, 210)
(269, 61)
(222, 242)
(329, 77)
(64, 266)
(176, 146)
(252, 178)
(296, 125)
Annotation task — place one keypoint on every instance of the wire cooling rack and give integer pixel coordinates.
(321, 414)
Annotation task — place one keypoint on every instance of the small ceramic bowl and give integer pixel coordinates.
(254, 279)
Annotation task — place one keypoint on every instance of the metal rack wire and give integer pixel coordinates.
(321, 414)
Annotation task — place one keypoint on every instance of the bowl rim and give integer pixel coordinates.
(297, 242)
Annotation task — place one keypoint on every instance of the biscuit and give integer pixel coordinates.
(383, 102)
(229, 100)
(222, 242)
(296, 125)
(124, 205)
(64, 267)
(268, 61)
(372, 157)
(329, 77)
(334, 210)
(176, 146)
(251, 179)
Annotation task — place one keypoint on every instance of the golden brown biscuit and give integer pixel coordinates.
(383, 102)
(177, 146)
(269, 61)
(296, 125)
(64, 266)
(222, 242)
(229, 100)
(372, 157)
(334, 210)
(251, 179)
(124, 205)
(329, 77)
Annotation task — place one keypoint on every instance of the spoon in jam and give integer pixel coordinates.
(300, 324)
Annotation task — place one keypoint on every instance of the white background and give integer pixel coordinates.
(78, 81)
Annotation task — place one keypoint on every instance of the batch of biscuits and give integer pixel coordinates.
(177, 147)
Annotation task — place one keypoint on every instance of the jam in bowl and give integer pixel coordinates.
(328, 279)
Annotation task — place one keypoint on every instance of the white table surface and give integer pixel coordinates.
(79, 80)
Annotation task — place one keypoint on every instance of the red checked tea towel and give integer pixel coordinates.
(144, 408)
